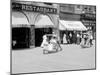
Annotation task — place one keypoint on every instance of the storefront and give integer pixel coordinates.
(39, 19)
(43, 25)
(62, 31)
(89, 20)
(72, 28)
(20, 31)
(73, 25)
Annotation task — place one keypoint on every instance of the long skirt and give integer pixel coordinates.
(52, 47)
(44, 43)
(85, 44)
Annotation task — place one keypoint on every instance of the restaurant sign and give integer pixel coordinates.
(33, 8)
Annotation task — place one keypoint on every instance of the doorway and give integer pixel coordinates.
(20, 37)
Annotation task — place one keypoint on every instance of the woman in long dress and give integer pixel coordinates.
(44, 42)
(82, 44)
(54, 44)
(85, 42)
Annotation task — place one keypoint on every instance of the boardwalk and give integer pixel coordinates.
(72, 57)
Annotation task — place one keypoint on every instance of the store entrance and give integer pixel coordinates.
(39, 32)
(20, 37)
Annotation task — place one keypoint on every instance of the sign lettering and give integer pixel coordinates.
(25, 7)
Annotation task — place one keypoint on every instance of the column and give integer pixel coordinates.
(32, 36)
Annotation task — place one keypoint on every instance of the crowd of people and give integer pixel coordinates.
(79, 38)
(52, 43)
(87, 40)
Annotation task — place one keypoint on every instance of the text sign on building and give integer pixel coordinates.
(25, 7)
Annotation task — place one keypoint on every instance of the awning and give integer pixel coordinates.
(73, 25)
(19, 18)
(61, 26)
(43, 21)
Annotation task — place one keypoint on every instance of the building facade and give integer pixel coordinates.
(84, 13)
(26, 20)
(88, 18)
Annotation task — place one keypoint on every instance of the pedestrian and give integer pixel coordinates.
(70, 38)
(85, 42)
(78, 39)
(61, 37)
(82, 41)
(88, 39)
(65, 39)
(91, 39)
(74, 37)
(54, 44)
(44, 42)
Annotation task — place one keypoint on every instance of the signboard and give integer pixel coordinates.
(90, 16)
(26, 7)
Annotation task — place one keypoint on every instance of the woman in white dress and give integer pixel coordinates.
(44, 42)
(54, 44)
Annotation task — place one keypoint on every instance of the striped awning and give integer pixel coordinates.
(73, 25)
(61, 26)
